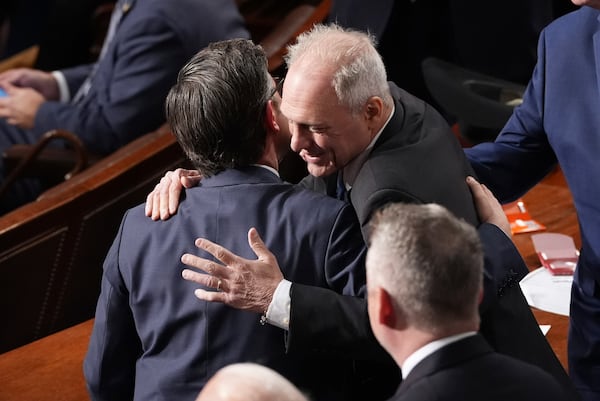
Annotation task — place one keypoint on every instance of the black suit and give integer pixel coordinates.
(417, 159)
(470, 370)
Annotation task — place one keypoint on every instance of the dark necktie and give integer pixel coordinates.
(341, 193)
(121, 8)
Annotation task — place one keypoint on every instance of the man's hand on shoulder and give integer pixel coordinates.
(241, 283)
(488, 207)
(163, 201)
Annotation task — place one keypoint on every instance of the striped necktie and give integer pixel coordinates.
(121, 8)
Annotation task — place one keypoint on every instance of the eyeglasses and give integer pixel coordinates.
(278, 86)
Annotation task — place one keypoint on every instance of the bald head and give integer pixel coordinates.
(249, 382)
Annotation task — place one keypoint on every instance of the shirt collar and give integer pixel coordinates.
(428, 349)
(271, 169)
(350, 171)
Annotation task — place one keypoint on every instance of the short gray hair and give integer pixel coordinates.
(429, 261)
(359, 72)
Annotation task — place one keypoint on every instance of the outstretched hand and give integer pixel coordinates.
(241, 283)
(488, 207)
(163, 201)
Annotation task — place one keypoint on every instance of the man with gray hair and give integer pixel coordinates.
(424, 281)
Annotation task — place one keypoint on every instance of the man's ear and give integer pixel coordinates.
(374, 107)
(480, 295)
(386, 314)
(270, 117)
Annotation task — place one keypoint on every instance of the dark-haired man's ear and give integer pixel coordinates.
(270, 117)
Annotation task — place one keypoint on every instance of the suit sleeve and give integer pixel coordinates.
(75, 76)
(503, 265)
(345, 255)
(127, 98)
(109, 365)
(521, 154)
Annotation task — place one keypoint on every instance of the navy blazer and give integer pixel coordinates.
(417, 159)
(558, 121)
(154, 340)
(469, 370)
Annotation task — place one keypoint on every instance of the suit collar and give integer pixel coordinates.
(395, 124)
(453, 354)
(243, 175)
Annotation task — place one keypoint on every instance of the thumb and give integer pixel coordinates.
(258, 246)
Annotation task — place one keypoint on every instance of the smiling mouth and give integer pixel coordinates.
(308, 158)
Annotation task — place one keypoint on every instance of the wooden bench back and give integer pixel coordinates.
(52, 250)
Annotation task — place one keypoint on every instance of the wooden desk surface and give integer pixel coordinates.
(51, 368)
(550, 203)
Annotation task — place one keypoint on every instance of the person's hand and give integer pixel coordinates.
(488, 207)
(41, 81)
(163, 201)
(241, 283)
(20, 106)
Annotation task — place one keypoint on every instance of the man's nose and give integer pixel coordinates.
(300, 138)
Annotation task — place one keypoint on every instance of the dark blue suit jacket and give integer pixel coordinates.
(469, 370)
(154, 338)
(559, 121)
(154, 39)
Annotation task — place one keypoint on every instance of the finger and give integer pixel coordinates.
(473, 183)
(210, 296)
(190, 178)
(148, 208)
(208, 266)
(163, 196)
(258, 246)
(204, 279)
(174, 194)
(221, 254)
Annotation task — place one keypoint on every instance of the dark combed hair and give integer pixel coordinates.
(216, 107)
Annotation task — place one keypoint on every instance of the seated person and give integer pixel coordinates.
(424, 275)
(111, 102)
(152, 339)
(248, 382)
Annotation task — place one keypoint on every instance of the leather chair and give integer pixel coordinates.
(480, 103)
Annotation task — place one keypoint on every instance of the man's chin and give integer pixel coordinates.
(320, 171)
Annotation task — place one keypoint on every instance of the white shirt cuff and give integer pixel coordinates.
(278, 312)
(63, 88)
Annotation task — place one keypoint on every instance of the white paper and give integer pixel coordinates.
(547, 292)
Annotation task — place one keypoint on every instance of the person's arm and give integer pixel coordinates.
(109, 365)
(127, 97)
